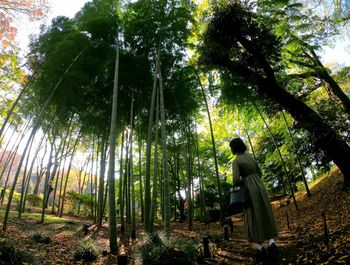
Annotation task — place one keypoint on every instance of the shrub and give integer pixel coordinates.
(187, 247)
(39, 238)
(153, 250)
(34, 200)
(86, 250)
(80, 200)
(162, 251)
(10, 255)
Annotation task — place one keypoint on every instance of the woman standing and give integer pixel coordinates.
(259, 221)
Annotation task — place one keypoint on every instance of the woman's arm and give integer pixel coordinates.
(235, 172)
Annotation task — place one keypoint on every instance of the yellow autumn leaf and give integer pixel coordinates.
(344, 257)
(340, 261)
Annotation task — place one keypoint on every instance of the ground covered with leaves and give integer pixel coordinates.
(315, 242)
(303, 236)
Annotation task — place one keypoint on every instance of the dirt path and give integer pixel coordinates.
(236, 250)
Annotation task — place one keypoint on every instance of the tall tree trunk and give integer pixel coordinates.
(127, 186)
(8, 207)
(131, 162)
(140, 178)
(247, 134)
(105, 197)
(81, 188)
(302, 171)
(91, 181)
(323, 135)
(68, 171)
(125, 183)
(61, 150)
(23, 204)
(39, 117)
(55, 188)
(111, 174)
(24, 180)
(161, 191)
(166, 191)
(222, 216)
(96, 182)
(61, 185)
(40, 172)
(319, 71)
(101, 182)
(155, 164)
(189, 179)
(47, 184)
(148, 225)
(201, 182)
(121, 197)
(280, 155)
(177, 180)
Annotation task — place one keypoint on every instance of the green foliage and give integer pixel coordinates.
(16, 196)
(189, 247)
(153, 250)
(233, 27)
(10, 255)
(167, 24)
(163, 251)
(86, 250)
(35, 200)
(39, 238)
(11, 78)
(80, 200)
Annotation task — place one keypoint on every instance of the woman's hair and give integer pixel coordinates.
(237, 146)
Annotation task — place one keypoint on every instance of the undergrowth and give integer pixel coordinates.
(39, 238)
(159, 250)
(10, 255)
(86, 250)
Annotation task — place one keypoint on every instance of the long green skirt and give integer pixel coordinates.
(259, 221)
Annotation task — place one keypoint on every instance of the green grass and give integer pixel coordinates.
(49, 218)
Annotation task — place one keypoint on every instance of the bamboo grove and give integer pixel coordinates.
(127, 109)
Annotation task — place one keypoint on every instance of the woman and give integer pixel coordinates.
(259, 222)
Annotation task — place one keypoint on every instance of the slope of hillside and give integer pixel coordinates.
(329, 205)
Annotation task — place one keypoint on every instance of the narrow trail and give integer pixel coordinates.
(237, 250)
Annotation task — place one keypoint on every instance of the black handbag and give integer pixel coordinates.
(239, 199)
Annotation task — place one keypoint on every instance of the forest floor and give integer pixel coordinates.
(301, 236)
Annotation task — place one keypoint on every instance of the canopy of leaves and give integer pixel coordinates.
(233, 33)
